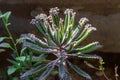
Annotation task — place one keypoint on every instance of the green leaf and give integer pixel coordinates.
(73, 21)
(55, 20)
(33, 39)
(5, 45)
(85, 35)
(88, 56)
(23, 50)
(39, 59)
(12, 61)
(40, 29)
(6, 17)
(46, 72)
(67, 76)
(72, 35)
(57, 37)
(11, 70)
(38, 48)
(34, 70)
(61, 70)
(21, 58)
(89, 48)
(67, 22)
(54, 72)
(15, 78)
(2, 38)
(50, 32)
(20, 40)
(81, 33)
(79, 71)
(69, 35)
(50, 41)
(70, 48)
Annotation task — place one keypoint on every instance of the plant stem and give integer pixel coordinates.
(10, 35)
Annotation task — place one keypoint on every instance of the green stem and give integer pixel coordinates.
(10, 35)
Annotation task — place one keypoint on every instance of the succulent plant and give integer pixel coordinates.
(62, 39)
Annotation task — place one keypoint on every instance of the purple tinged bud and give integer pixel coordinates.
(54, 11)
(83, 20)
(68, 11)
(41, 17)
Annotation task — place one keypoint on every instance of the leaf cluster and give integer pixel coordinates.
(60, 37)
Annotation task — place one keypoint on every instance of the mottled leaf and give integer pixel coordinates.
(34, 70)
(88, 56)
(89, 48)
(79, 71)
(47, 72)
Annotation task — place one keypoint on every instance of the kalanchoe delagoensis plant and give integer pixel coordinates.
(62, 39)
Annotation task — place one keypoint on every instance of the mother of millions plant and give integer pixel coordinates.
(59, 37)
(62, 39)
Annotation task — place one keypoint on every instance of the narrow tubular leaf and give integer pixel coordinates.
(67, 35)
(33, 39)
(43, 25)
(86, 34)
(47, 72)
(56, 37)
(50, 41)
(39, 58)
(81, 34)
(61, 69)
(51, 33)
(63, 73)
(89, 57)
(34, 70)
(61, 32)
(73, 35)
(67, 76)
(66, 23)
(40, 30)
(70, 47)
(79, 71)
(89, 48)
(55, 20)
(38, 48)
(73, 21)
